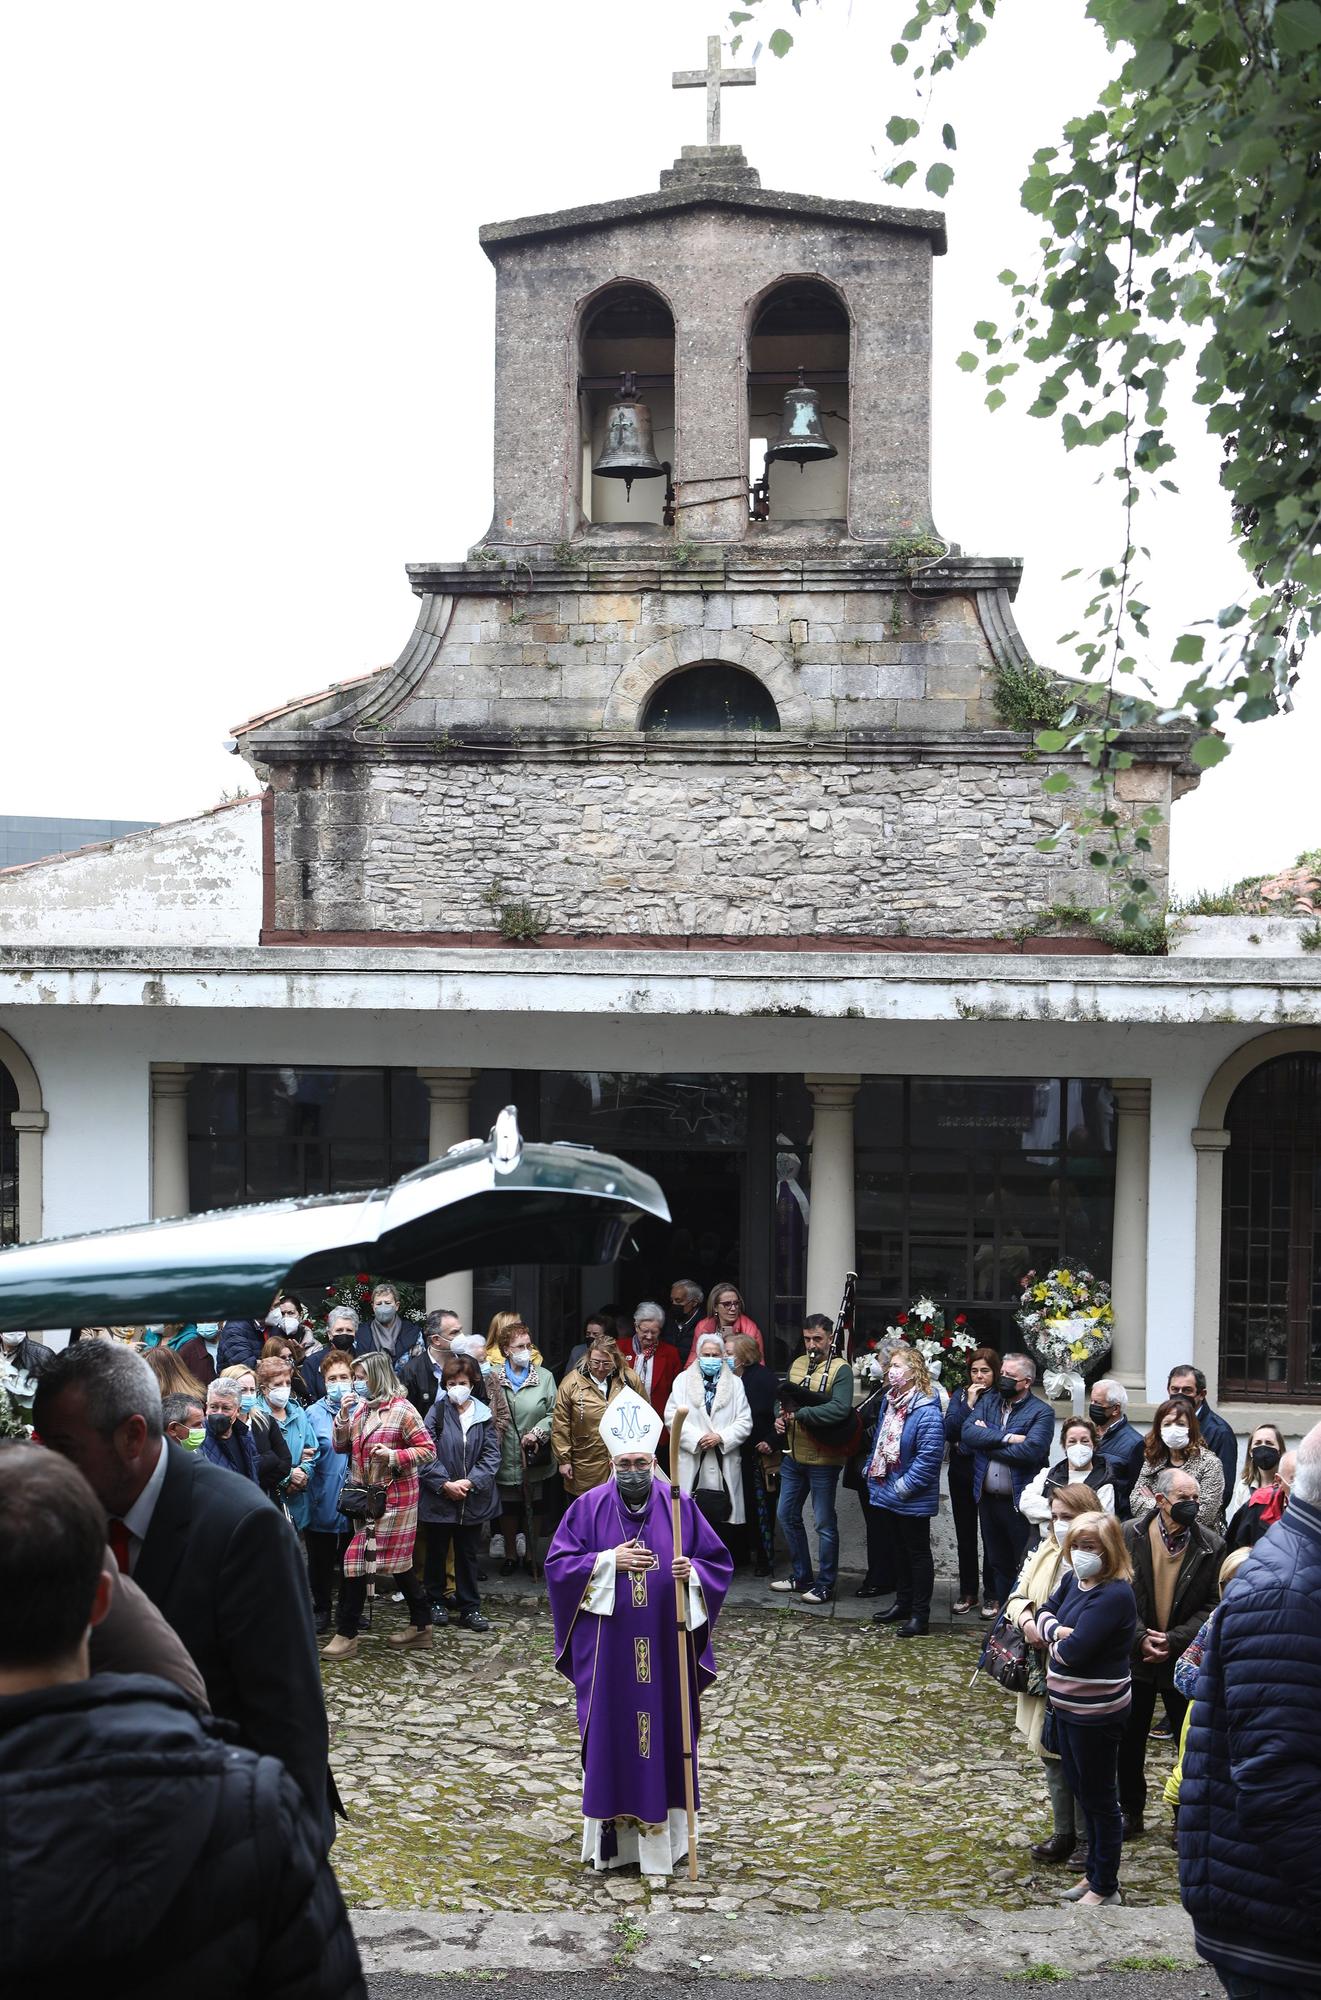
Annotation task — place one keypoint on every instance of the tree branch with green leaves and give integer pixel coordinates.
(1181, 217)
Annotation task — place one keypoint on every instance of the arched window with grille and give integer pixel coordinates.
(1270, 1295)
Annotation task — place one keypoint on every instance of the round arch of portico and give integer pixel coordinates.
(1210, 1143)
(30, 1122)
(637, 681)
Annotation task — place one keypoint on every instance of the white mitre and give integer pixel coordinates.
(630, 1424)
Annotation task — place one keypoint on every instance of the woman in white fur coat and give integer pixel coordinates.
(718, 1421)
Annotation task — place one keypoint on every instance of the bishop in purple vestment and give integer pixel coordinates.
(610, 1572)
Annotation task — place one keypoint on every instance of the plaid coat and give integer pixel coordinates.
(397, 1426)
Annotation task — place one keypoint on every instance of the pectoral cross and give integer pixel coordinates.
(713, 80)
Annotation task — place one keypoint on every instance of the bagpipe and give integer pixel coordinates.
(845, 1435)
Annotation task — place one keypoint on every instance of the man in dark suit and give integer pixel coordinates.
(420, 1374)
(687, 1305)
(1121, 1444)
(218, 1561)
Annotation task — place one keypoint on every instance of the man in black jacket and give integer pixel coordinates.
(1176, 1573)
(420, 1374)
(687, 1305)
(220, 1564)
(197, 1867)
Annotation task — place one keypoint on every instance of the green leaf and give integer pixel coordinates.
(1050, 740)
(1151, 63)
(780, 42)
(1208, 750)
(966, 361)
(904, 171)
(1188, 649)
(1297, 26)
(898, 54)
(1058, 781)
(900, 130)
(948, 139)
(994, 399)
(940, 178)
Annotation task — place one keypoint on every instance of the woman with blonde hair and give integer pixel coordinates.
(726, 1314)
(903, 1481)
(170, 1372)
(1036, 1580)
(387, 1445)
(1087, 1626)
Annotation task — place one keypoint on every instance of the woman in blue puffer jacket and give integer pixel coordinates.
(903, 1480)
(327, 1530)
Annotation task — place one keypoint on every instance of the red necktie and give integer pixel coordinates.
(118, 1538)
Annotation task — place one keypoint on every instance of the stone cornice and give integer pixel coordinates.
(494, 237)
(714, 567)
(992, 747)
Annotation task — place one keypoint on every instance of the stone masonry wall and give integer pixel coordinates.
(832, 659)
(672, 844)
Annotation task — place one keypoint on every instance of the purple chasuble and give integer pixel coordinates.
(626, 1667)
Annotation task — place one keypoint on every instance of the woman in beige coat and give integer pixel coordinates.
(1037, 1578)
(575, 1438)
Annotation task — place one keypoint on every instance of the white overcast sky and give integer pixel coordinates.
(247, 347)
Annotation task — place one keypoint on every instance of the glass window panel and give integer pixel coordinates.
(274, 1169)
(1000, 1114)
(937, 1195)
(938, 1268)
(214, 1103)
(356, 1164)
(619, 1109)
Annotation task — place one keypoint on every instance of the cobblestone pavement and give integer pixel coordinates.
(842, 1770)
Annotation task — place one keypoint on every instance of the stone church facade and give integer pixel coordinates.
(689, 822)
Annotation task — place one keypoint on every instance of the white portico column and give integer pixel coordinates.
(31, 1128)
(169, 1139)
(830, 1231)
(1128, 1269)
(450, 1092)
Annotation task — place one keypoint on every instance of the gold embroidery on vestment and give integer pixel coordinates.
(644, 1733)
(642, 1658)
(639, 1578)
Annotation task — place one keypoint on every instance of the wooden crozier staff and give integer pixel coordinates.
(681, 1614)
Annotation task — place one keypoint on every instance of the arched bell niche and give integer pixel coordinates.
(800, 323)
(710, 696)
(627, 328)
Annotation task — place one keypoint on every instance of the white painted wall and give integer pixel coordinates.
(195, 882)
(1176, 1097)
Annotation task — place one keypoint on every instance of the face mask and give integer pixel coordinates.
(1175, 1437)
(1183, 1513)
(218, 1422)
(344, 1341)
(275, 1319)
(458, 1393)
(731, 1364)
(710, 1364)
(360, 1390)
(207, 1329)
(291, 1322)
(194, 1440)
(336, 1392)
(1062, 1531)
(521, 1361)
(487, 1367)
(1265, 1457)
(897, 1378)
(13, 1339)
(385, 1312)
(1008, 1387)
(1086, 1562)
(1078, 1454)
(247, 1401)
(633, 1487)
(1099, 1415)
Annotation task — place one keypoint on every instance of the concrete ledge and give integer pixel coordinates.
(678, 1934)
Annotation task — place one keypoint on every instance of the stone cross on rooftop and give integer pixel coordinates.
(713, 80)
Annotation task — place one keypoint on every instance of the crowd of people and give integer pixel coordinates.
(413, 1456)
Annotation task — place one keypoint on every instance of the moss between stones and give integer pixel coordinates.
(842, 1769)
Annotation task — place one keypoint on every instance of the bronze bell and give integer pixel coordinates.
(628, 452)
(801, 440)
